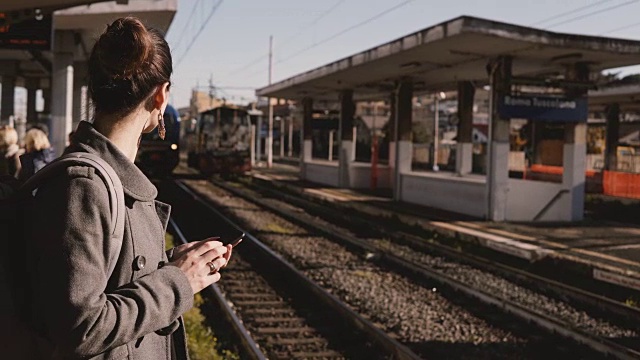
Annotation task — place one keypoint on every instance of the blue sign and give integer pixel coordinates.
(556, 109)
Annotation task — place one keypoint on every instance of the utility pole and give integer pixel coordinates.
(212, 92)
(270, 134)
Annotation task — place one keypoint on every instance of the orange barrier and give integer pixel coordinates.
(611, 183)
(593, 179)
(621, 184)
(555, 170)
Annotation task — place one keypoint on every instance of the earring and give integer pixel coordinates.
(162, 131)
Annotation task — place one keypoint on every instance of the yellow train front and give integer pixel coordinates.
(221, 143)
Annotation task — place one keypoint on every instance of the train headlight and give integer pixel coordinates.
(174, 147)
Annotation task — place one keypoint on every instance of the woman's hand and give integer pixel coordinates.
(180, 250)
(200, 262)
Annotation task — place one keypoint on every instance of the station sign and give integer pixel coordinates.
(547, 108)
(32, 32)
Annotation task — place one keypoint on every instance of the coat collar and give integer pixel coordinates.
(134, 182)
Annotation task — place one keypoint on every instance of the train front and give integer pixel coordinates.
(157, 157)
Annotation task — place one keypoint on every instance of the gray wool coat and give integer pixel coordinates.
(84, 312)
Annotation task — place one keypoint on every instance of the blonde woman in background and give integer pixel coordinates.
(38, 153)
(9, 151)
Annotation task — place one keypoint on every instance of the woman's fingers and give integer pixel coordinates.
(227, 255)
(215, 265)
(204, 247)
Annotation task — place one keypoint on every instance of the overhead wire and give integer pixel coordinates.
(571, 12)
(193, 39)
(344, 31)
(621, 28)
(592, 13)
(187, 23)
(298, 33)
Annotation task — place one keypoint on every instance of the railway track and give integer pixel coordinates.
(275, 311)
(616, 346)
(551, 268)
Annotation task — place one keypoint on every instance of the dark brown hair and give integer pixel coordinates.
(127, 63)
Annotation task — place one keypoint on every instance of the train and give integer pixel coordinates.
(221, 143)
(158, 157)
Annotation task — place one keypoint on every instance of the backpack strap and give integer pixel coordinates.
(114, 188)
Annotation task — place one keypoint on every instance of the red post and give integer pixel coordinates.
(374, 161)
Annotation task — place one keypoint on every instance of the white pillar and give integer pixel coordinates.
(498, 176)
(62, 90)
(346, 152)
(79, 76)
(7, 103)
(464, 146)
(259, 140)
(353, 144)
(282, 119)
(290, 137)
(306, 157)
(575, 165)
(269, 146)
(330, 157)
(498, 172)
(464, 158)
(252, 148)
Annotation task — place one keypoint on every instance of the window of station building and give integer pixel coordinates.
(325, 135)
(371, 128)
(536, 150)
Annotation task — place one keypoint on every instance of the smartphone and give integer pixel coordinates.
(237, 240)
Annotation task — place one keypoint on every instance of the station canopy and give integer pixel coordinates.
(17, 5)
(87, 21)
(438, 57)
(626, 96)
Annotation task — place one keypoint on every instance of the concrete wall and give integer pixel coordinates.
(326, 173)
(526, 199)
(465, 195)
(322, 172)
(360, 176)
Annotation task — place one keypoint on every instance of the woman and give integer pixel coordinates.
(9, 151)
(135, 312)
(38, 153)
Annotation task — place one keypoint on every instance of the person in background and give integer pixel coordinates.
(9, 151)
(38, 153)
(70, 141)
(88, 305)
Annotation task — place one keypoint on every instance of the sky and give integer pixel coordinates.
(231, 48)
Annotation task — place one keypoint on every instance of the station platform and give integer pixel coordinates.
(607, 251)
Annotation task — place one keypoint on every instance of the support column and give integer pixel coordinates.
(7, 103)
(498, 171)
(32, 88)
(46, 96)
(346, 155)
(290, 150)
(307, 135)
(282, 120)
(62, 85)
(259, 140)
(613, 135)
(79, 80)
(574, 158)
(404, 147)
(391, 136)
(464, 146)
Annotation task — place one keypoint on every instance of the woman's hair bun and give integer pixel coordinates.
(124, 48)
(128, 61)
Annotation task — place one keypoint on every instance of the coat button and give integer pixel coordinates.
(139, 262)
